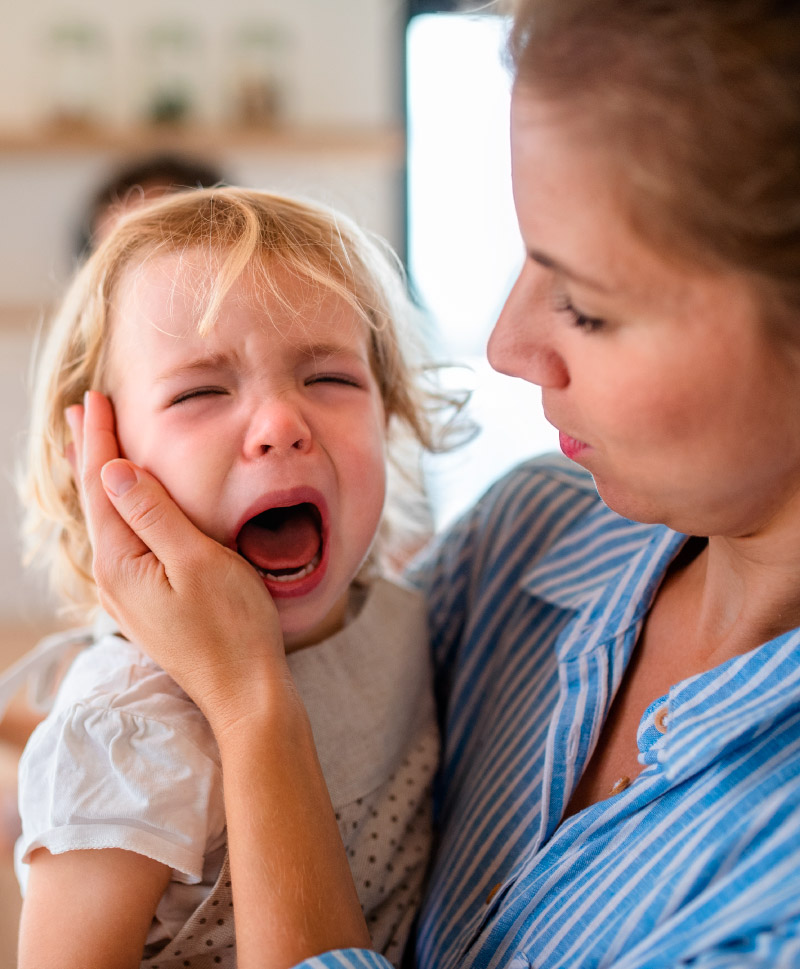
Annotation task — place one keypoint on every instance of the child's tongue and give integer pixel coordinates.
(281, 538)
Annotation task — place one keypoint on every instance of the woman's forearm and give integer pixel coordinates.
(293, 893)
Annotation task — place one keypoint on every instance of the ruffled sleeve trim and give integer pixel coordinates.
(125, 760)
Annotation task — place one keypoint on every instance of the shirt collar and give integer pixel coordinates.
(722, 709)
(606, 569)
(582, 562)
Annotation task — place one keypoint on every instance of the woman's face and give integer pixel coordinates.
(662, 379)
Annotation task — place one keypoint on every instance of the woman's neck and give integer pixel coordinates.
(736, 593)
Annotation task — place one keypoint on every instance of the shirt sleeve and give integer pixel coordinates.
(767, 949)
(133, 766)
(346, 959)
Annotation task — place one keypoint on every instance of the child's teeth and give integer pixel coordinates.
(292, 576)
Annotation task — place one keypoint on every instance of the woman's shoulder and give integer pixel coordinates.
(545, 512)
(541, 501)
(550, 467)
(544, 474)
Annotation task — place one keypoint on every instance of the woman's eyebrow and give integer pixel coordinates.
(549, 263)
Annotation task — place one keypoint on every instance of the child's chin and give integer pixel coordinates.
(303, 626)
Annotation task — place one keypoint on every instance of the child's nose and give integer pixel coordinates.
(277, 425)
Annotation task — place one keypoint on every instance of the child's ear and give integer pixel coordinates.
(71, 454)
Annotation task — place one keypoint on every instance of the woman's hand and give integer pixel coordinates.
(202, 613)
(197, 608)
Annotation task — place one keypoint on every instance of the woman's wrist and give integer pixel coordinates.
(265, 708)
(293, 892)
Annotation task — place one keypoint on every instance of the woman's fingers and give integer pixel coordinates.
(180, 596)
(74, 418)
(130, 514)
(170, 587)
(141, 502)
(95, 443)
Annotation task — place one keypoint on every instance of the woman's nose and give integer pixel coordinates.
(277, 425)
(521, 343)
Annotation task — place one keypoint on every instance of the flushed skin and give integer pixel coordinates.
(264, 411)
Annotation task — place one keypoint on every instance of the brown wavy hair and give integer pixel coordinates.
(697, 105)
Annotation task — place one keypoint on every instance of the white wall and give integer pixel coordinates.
(340, 59)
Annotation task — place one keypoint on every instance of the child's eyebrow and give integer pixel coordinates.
(216, 362)
(201, 364)
(314, 350)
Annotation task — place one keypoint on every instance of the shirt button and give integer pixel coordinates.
(659, 721)
(493, 891)
(621, 785)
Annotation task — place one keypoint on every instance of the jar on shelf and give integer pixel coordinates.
(77, 66)
(258, 72)
(171, 56)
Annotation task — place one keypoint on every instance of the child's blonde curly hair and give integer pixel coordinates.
(270, 236)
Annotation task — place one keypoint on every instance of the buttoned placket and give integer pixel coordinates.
(593, 648)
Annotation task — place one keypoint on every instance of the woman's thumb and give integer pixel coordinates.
(147, 509)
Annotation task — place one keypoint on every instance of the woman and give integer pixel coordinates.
(618, 676)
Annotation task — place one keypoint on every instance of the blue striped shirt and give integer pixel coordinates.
(537, 598)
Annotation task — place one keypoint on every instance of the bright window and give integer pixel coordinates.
(464, 249)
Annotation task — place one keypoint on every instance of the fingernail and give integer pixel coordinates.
(118, 477)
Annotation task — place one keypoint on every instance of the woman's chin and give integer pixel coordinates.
(629, 504)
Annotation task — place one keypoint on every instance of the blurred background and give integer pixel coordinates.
(396, 112)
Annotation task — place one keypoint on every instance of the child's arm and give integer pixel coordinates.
(89, 909)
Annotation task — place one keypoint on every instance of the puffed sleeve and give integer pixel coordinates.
(124, 760)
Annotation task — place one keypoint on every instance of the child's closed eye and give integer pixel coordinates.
(196, 392)
(333, 378)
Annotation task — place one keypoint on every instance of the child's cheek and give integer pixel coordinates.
(195, 473)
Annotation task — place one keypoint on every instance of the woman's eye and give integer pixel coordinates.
(198, 392)
(589, 324)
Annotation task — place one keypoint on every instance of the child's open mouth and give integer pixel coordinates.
(283, 544)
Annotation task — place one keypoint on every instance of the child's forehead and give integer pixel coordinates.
(171, 291)
(195, 274)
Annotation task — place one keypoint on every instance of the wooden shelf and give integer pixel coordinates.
(383, 143)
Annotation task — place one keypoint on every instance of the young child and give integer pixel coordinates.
(251, 345)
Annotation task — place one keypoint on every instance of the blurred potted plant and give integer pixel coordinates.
(77, 66)
(172, 51)
(258, 68)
